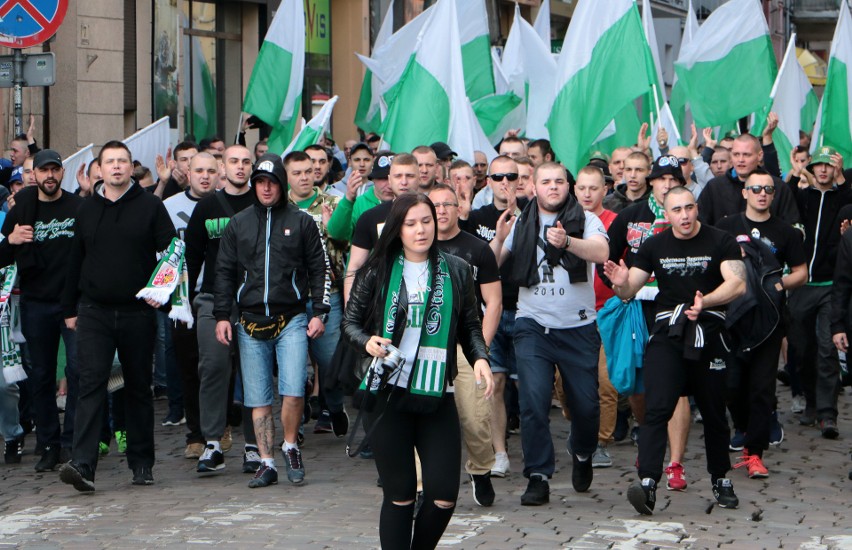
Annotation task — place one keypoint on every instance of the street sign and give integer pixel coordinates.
(39, 70)
(27, 23)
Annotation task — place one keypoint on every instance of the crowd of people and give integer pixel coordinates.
(462, 296)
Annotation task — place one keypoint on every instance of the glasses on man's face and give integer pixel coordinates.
(682, 160)
(446, 205)
(756, 189)
(512, 176)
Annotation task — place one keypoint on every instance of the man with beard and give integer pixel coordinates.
(38, 233)
(555, 245)
(207, 373)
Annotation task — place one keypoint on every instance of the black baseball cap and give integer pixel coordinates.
(270, 165)
(667, 164)
(443, 151)
(381, 165)
(358, 146)
(45, 157)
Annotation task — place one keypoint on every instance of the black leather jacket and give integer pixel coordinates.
(465, 328)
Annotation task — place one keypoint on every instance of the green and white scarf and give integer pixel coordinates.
(13, 369)
(428, 377)
(171, 275)
(660, 224)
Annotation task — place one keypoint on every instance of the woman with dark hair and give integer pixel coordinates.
(416, 302)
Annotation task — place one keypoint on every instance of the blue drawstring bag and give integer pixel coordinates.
(624, 335)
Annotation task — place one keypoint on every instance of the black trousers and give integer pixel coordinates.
(752, 397)
(668, 376)
(185, 343)
(100, 332)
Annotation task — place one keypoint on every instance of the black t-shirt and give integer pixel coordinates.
(480, 257)
(43, 273)
(370, 226)
(683, 266)
(482, 223)
(783, 239)
(172, 188)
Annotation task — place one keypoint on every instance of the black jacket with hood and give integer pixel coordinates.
(271, 260)
(114, 251)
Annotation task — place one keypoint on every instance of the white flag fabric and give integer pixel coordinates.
(678, 98)
(311, 132)
(368, 115)
(149, 142)
(274, 91)
(429, 103)
(662, 114)
(81, 158)
(542, 22)
(601, 35)
(732, 45)
(531, 72)
(834, 122)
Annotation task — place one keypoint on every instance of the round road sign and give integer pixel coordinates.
(27, 23)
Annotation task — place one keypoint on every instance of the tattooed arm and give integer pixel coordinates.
(734, 286)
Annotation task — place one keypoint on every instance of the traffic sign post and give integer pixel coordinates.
(24, 24)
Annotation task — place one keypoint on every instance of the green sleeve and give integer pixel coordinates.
(340, 225)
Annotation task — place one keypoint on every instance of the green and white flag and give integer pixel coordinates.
(794, 101)
(656, 105)
(428, 102)
(274, 92)
(199, 92)
(601, 35)
(311, 132)
(368, 115)
(531, 72)
(728, 68)
(542, 22)
(679, 105)
(834, 121)
(475, 48)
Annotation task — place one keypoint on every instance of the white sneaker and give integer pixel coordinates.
(799, 404)
(501, 465)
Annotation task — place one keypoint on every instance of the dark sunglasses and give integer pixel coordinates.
(756, 189)
(512, 176)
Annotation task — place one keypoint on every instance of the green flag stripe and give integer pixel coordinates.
(266, 92)
(419, 111)
(478, 72)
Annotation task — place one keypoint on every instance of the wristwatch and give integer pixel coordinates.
(322, 317)
(568, 242)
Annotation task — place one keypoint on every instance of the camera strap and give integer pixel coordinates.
(371, 373)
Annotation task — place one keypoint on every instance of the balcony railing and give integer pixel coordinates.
(801, 6)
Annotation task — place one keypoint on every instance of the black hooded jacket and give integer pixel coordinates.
(114, 251)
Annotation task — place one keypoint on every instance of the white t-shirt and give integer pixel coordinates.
(416, 275)
(555, 302)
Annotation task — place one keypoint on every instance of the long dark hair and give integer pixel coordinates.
(390, 244)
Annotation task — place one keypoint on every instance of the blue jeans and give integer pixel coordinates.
(42, 324)
(290, 348)
(322, 350)
(503, 346)
(575, 352)
(10, 424)
(165, 361)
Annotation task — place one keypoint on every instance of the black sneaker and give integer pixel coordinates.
(173, 419)
(622, 426)
(538, 491)
(251, 460)
(723, 490)
(143, 476)
(828, 427)
(264, 477)
(323, 424)
(483, 491)
(295, 466)
(582, 475)
(14, 450)
(643, 496)
(49, 459)
(339, 423)
(78, 475)
(211, 461)
(513, 424)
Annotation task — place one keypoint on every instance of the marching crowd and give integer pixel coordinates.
(456, 298)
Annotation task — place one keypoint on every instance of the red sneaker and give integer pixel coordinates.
(676, 481)
(754, 464)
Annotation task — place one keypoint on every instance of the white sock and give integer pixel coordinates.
(269, 462)
(216, 446)
(288, 446)
(581, 458)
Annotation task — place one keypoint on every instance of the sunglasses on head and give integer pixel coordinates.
(756, 189)
(511, 176)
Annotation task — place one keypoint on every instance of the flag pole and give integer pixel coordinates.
(656, 102)
(239, 128)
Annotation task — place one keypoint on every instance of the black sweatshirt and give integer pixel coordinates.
(42, 263)
(204, 232)
(115, 250)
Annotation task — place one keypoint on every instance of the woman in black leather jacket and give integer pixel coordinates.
(400, 299)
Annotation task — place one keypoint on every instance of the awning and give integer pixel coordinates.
(814, 66)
